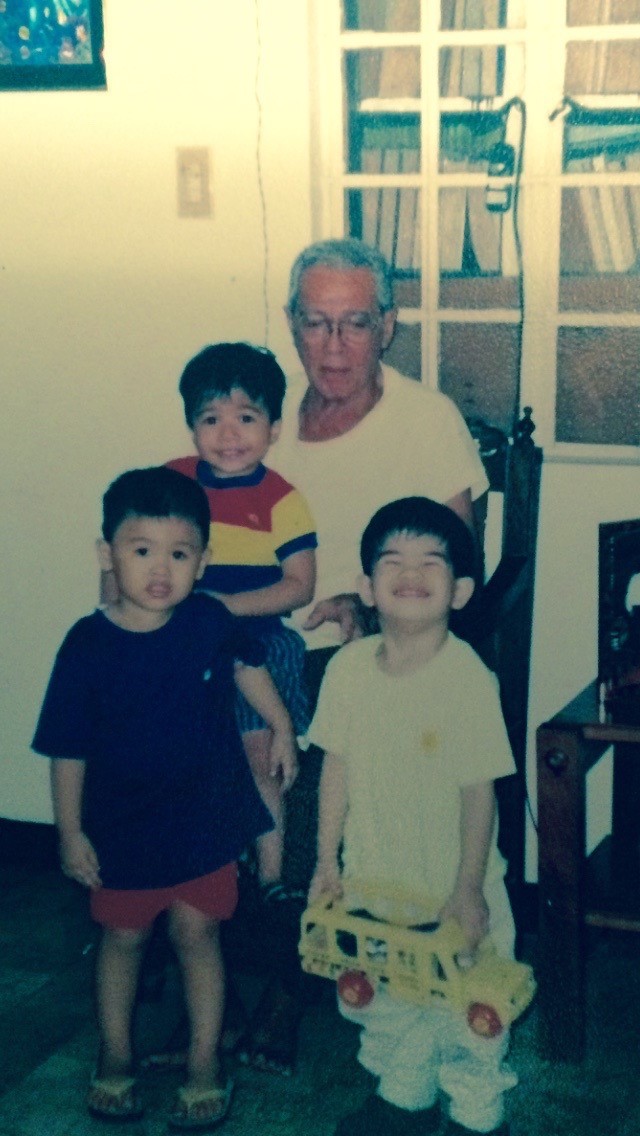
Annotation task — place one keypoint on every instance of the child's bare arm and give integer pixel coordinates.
(77, 854)
(466, 902)
(260, 692)
(294, 590)
(332, 811)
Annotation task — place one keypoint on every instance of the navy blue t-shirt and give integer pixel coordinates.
(168, 795)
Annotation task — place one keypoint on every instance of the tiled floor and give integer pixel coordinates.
(48, 1041)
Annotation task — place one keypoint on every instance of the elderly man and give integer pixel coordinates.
(355, 432)
(355, 435)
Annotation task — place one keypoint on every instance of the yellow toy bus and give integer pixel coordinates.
(372, 938)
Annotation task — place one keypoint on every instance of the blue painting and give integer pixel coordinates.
(51, 44)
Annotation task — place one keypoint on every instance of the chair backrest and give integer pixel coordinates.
(499, 621)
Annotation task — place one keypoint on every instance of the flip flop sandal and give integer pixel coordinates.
(114, 1099)
(200, 1110)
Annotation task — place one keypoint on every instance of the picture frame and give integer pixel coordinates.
(618, 604)
(51, 45)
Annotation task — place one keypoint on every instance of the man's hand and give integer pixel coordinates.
(79, 860)
(347, 610)
(283, 757)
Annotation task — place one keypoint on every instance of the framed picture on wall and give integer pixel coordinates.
(619, 603)
(51, 45)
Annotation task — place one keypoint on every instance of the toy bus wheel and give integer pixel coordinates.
(355, 989)
(484, 1020)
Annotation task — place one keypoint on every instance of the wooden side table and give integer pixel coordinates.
(576, 890)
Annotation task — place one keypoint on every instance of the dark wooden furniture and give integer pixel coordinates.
(498, 623)
(575, 890)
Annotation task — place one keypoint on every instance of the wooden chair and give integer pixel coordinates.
(498, 622)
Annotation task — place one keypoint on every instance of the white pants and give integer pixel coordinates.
(416, 1051)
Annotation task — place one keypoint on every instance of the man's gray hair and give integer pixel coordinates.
(343, 253)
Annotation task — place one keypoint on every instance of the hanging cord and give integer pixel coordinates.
(260, 180)
(519, 105)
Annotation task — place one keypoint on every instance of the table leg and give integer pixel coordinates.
(561, 861)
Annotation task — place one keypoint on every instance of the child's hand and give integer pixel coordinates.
(325, 882)
(468, 906)
(283, 757)
(79, 860)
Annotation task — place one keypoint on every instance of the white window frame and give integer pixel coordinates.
(545, 37)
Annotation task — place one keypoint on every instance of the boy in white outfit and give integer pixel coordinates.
(414, 738)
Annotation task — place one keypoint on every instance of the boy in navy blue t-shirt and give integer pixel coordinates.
(153, 797)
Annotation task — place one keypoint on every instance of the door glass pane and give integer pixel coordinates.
(470, 15)
(473, 72)
(468, 136)
(611, 67)
(600, 222)
(606, 140)
(381, 137)
(389, 218)
(381, 15)
(478, 248)
(474, 240)
(599, 248)
(482, 70)
(404, 352)
(597, 388)
(479, 368)
(384, 144)
(381, 73)
(587, 12)
(408, 291)
(468, 140)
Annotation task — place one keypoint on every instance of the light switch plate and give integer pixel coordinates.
(193, 174)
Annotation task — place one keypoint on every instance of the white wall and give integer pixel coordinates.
(105, 293)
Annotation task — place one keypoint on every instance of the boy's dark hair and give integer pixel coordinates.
(419, 516)
(216, 370)
(155, 492)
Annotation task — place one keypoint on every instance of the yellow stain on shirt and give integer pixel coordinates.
(429, 741)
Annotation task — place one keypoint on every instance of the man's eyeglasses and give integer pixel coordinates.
(350, 329)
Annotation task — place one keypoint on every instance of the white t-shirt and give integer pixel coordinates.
(410, 742)
(413, 442)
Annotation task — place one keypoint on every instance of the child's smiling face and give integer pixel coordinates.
(412, 582)
(233, 434)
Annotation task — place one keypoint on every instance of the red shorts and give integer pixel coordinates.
(215, 895)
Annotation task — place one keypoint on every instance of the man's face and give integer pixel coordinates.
(339, 331)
